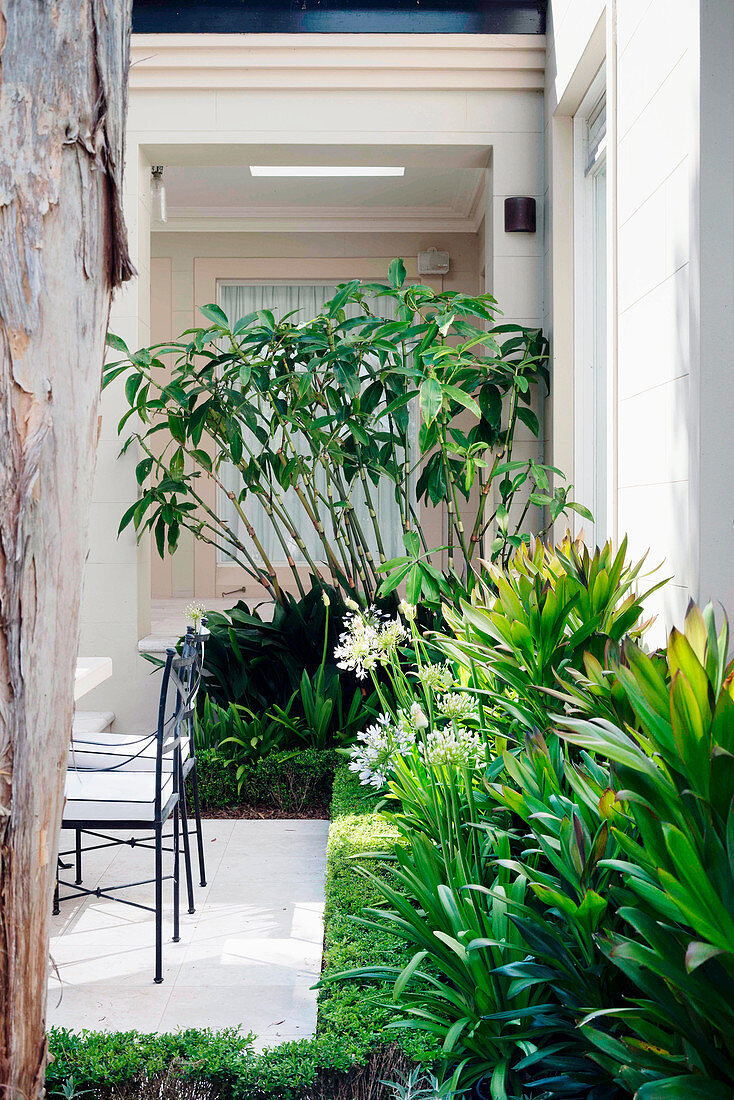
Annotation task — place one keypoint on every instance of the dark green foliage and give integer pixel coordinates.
(274, 685)
(98, 1060)
(286, 781)
(244, 736)
(217, 782)
(257, 663)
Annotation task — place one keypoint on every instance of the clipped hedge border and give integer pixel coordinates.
(285, 781)
(349, 1053)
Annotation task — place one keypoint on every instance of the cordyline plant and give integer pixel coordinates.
(322, 407)
(673, 769)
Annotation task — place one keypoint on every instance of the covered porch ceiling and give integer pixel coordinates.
(210, 187)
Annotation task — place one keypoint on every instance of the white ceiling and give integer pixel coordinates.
(441, 188)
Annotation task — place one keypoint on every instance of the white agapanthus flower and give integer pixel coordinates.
(439, 678)
(456, 706)
(369, 640)
(195, 612)
(453, 747)
(376, 749)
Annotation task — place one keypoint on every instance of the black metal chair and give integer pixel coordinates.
(194, 642)
(120, 797)
(135, 753)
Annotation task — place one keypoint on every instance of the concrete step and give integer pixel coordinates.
(92, 721)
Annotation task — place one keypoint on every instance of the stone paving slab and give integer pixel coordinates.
(248, 956)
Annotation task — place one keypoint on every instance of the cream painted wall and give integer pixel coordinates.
(671, 241)
(183, 249)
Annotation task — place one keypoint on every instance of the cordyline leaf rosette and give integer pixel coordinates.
(563, 854)
(320, 406)
(674, 768)
(551, 619)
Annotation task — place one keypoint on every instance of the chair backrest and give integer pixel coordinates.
(177, 703)
(179, 687)
(193, 643)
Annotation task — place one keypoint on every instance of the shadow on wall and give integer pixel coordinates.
(658, 446)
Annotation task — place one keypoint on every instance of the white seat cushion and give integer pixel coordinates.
(124, 752)
(113, 796)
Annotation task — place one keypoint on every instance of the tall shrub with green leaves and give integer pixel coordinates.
(320, 406)
(673, 769)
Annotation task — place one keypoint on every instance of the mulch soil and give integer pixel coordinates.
(252, 812)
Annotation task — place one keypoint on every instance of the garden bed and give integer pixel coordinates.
(282, 785)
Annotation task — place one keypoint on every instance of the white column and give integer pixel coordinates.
(116, 603)
(514, 261)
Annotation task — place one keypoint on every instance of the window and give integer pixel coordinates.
(590, 311)
(238, 299)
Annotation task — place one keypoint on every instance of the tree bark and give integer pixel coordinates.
(63, 101)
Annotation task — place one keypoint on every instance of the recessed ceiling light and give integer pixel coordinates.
(324, 170)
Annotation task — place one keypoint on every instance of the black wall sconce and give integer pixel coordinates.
(520, 215)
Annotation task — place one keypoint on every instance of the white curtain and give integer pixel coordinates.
(238, 299)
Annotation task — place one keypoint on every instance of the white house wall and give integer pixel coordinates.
(657, 81)
(656, 334)
(115, 610)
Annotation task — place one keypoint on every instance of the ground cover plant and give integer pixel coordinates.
(320, 409)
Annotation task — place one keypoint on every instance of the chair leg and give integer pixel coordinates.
(186, 842)
(158, 905)
(176, 869)
(79, 850)
(56, 908)
(197, 815)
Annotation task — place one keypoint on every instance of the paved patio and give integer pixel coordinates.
(249, 955)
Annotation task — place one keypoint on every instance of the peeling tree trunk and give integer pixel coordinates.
(63, 99)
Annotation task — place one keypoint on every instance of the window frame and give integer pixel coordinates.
(279, 563)
(593, 423)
